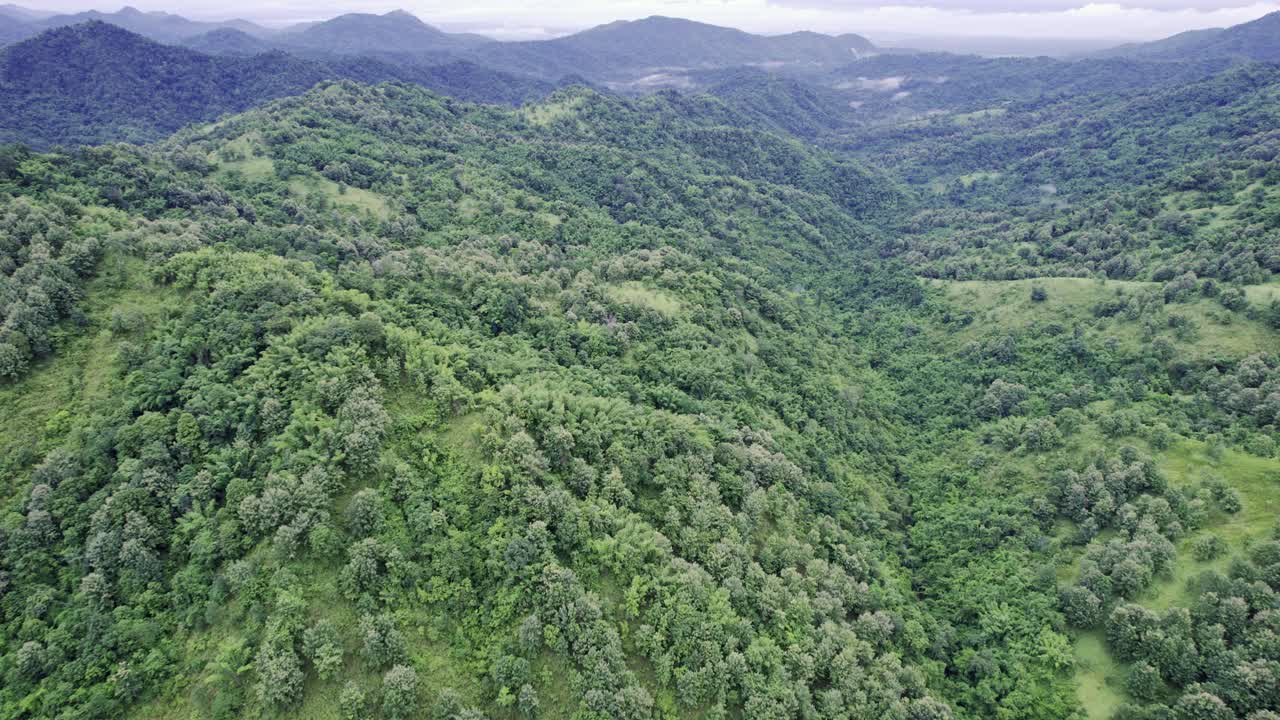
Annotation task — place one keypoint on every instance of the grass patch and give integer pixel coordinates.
(342, 195)
(1098, 676)
(633, 293)
(970, 118)
(1007, 304)
(544, 114)
(36, 411)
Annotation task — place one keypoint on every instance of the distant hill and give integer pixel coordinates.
(161, 26)
(929, 82)
(24, 14)
(12, 30)
(634, 48)
(778, 102)
(1257, 40)
(227, 41)
(396, 32)
(95, 83)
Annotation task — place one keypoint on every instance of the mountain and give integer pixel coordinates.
(912, 86)
(227, 41)
(160, 26)
(783, 104)
(95, 83)
(632, 49)
(12, 30)
(1258, 40)
(394, 33)
(23, 14)
(672, 42)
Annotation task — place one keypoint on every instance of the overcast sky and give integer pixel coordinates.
(521, 19)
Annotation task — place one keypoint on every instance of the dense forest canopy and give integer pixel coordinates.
(347, 398)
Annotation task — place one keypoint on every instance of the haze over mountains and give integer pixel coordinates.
(1257, 40)
(820, 83)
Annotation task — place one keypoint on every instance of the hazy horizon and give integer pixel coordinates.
(892, 22)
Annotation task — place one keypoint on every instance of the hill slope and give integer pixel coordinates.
(393, 33)
(378, 403)
(227, 41)
(1258, 40)
(628, 49)
(161, 26)
(415, 297)
(97, 83)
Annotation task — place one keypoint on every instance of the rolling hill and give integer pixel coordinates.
(627, 50)
(227, 41)
(1258, 40)
(95, 83)
(394, 33)
(160, 26)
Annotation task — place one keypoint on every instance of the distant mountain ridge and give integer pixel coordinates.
(618, 51)
(227, 41)
(161, 26)
(24, 14)
(96, 82)
(656, 43)
(1258, 40)
(396, 32)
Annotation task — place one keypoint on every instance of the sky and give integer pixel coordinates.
(534, 19)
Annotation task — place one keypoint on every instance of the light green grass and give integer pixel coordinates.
(1098, 675)
(546, 113)
(1263, 295)
(36, 410)
(351, 197)
(1257, 479)
(633, 293)
(971, 178)
(254, 163)
(1007, 304)
(970, 118)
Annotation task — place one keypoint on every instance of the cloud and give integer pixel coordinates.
(1013, 6)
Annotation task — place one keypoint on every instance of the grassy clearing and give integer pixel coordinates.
(1008, 304)
(342, 195)
(971, 178)
(35, 411)
(970, 118)
(545, 113)
(634, 293)
(999, 306)
(1099, 676)
(1185, 463)
(1263, 295)
(247, 156)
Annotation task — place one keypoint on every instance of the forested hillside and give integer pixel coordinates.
(369, 402)
(96, 83)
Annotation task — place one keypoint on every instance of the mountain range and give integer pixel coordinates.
(164, 27)
(95, 82)
(1258, 40)
(604, 53)
(130, 75)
